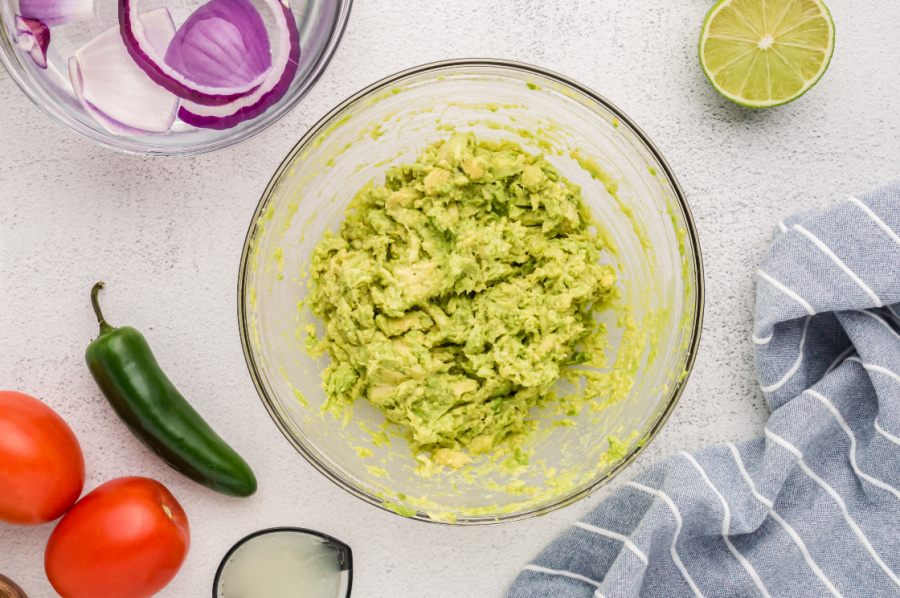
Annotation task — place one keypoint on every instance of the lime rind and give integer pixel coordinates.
(808, 84)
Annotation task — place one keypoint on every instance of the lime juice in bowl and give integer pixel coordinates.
(651, 327)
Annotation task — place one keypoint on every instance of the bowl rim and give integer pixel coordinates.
(315, 131)
(262, 122)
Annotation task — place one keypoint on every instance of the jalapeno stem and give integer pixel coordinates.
(95, 302)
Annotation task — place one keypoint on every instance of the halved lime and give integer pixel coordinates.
(763, 53)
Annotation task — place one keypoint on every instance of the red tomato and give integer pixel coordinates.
(41, 464)
(125, 539)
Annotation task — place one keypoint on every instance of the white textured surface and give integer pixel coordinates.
(166, 235)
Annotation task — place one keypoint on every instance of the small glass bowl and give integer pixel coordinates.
(320, 24)
(630, 190)
(343, 557)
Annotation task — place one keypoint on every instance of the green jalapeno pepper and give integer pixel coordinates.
(143, 397)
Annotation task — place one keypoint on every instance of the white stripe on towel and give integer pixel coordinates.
(782, 226)
(763, 341)
(623, 539)
(803, 549)
(837, 498)
(886, 434)
(875, 368)
(893, 314)
(827, 251)
(843, 424)
(568, 574)
(787, 292)
(840, 359)
(747, 478)
(784, 524)
(678, 523)
(726, 524)
(878, 368)
(796, 366)
(879, 320)
(876, 219)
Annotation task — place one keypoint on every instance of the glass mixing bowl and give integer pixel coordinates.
(631, 191)
(320, 24)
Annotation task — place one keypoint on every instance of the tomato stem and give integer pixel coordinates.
(95, 302)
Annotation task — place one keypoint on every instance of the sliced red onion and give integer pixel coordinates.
(33, 36)
(158, 26)
(224, 42)
(276, 84)
(57, 12)
(156, 68)
(108, 82)
(110, 124)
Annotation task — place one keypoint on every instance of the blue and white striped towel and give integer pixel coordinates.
(812, 508)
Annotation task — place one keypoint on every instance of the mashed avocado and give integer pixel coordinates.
(457, 293)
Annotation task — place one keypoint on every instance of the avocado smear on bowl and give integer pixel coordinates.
(457, 294)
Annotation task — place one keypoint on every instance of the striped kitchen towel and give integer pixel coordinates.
(811, 508)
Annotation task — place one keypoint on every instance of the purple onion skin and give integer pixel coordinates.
(266, 101)
(56, 12)
(40, 34)
(224, 42)
(156, 74)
